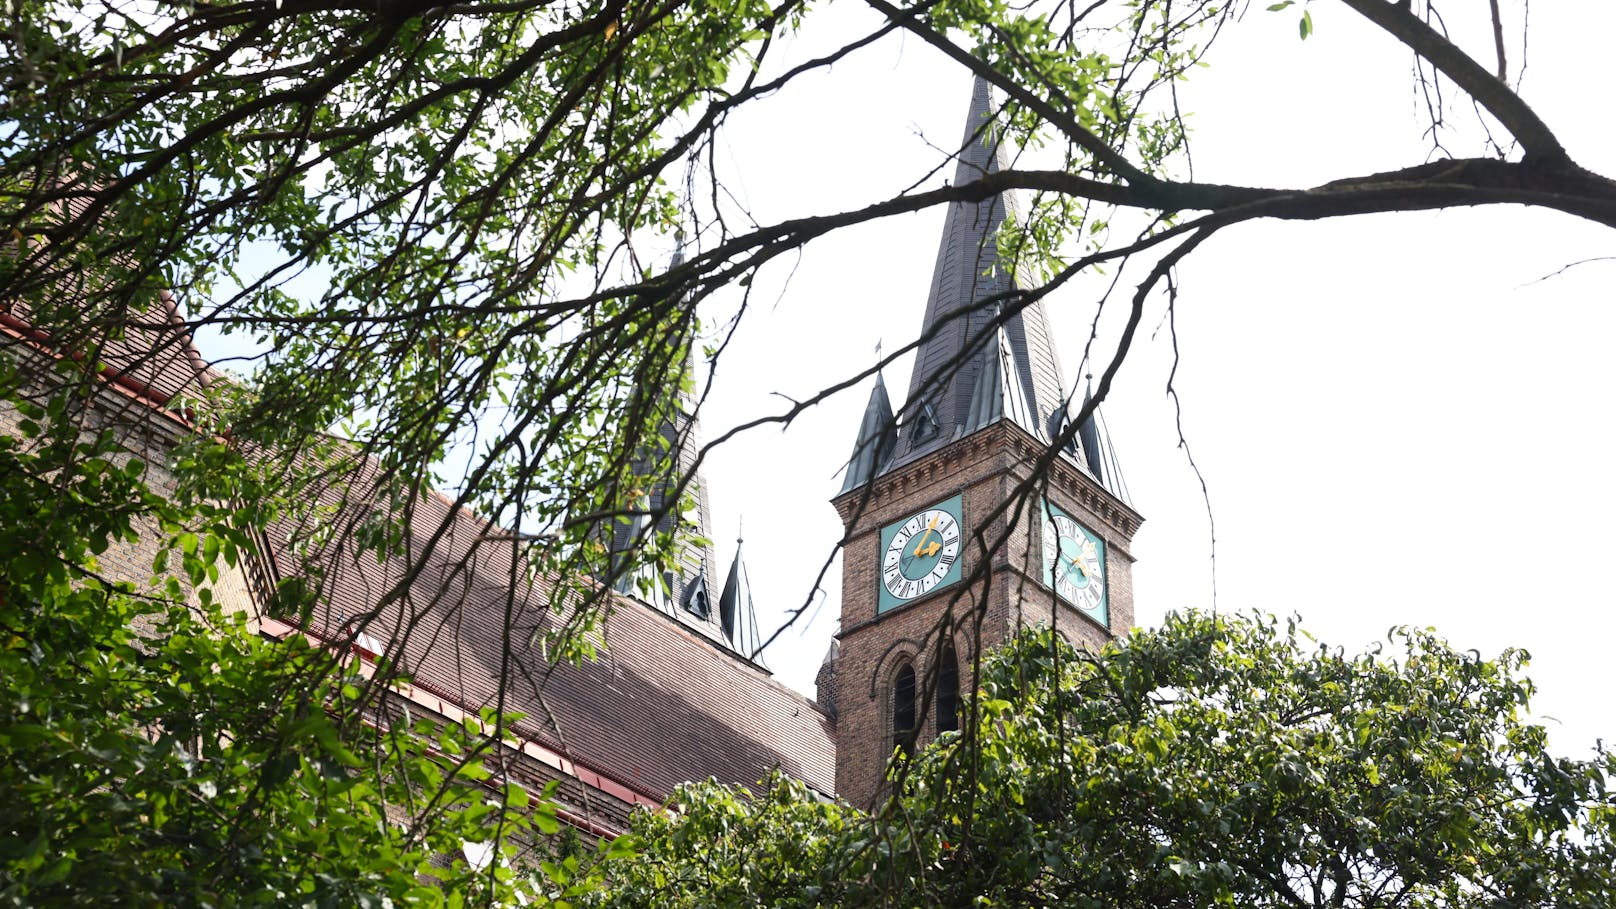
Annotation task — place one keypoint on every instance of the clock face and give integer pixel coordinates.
(920, 554)
(1074, 563)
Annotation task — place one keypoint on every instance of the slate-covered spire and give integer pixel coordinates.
(998, 394)
(670, 457)
(965, 350)
(878, 433)
(736, 613)
(825, 679)
(1099, 458)
(642, 581)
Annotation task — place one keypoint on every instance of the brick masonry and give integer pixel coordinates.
(1001, 588)
(142, 432)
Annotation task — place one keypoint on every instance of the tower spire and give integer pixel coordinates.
(676, 494)
(1098, 455)
(877, 434)
(986, 387)
(967, 351)
(737, 614)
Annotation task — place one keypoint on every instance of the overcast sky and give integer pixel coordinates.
(1398, 422)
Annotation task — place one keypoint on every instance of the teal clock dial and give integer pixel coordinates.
(1074, 562)
(920, 554)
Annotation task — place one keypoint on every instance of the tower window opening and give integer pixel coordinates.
(696, 598)
(903, 707)
(925, 426)
(947, 690)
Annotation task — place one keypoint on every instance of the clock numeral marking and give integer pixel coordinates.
(1074, 560)
(920, 554)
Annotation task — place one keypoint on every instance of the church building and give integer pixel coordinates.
(972, 508)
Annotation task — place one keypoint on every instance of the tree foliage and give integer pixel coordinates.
(441, 223)
(438, 223)
(1215, 761)
(157, 753)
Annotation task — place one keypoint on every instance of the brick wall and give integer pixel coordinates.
(1001, 587)
(143, 432)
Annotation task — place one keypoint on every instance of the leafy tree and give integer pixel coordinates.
(723, 846)
(433, 220)
(1215, 761)
(157, 753)
(434, 217)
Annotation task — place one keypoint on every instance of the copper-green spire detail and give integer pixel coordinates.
(736, 612)
(878, 432)
(998, 394)
(1099, 456)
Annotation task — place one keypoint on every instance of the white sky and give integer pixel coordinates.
(1396, 424)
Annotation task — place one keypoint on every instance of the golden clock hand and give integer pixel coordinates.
(931, 550)
(929, 528)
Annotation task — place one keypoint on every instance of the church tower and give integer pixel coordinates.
(953, 537)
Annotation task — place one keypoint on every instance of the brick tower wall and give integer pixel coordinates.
(1001, 586)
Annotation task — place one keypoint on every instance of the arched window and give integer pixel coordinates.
(947, 690)
(903, 707)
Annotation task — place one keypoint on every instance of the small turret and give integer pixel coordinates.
(737, 615)
(999, 393)
(825, 679)
(877, 434)
(1095, 453)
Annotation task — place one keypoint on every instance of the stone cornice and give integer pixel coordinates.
(978, 447)
(1017, 451)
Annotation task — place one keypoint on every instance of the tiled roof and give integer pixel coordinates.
(661, 705)
(140, 344)
(151, 355)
